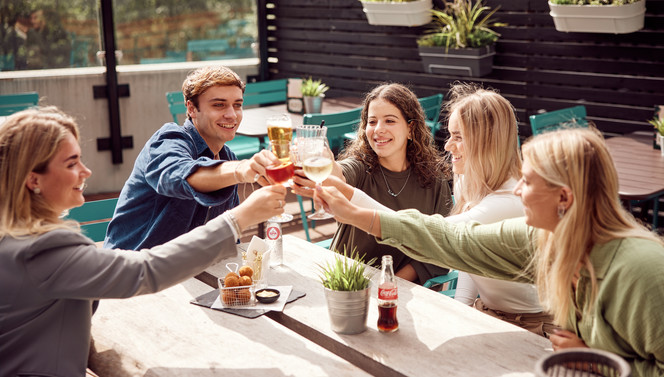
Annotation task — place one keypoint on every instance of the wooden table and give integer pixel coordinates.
(436, 336)
(253, 119)
(163, 334)
(640, 168)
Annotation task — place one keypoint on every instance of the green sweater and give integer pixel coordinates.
(628, 316)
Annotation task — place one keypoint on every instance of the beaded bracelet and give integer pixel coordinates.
(236, 227)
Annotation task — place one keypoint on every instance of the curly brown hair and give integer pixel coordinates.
(421, 152)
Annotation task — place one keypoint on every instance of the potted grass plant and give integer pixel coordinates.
(658, 123)
(397, 12)
(598, 16)
(313, 93)
(347, 287)
(462, 41)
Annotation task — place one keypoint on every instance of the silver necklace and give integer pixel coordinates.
(389, 190)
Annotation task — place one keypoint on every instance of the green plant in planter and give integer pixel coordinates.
(462, 24)
(347, 273)
(593, 2)
(658, 123)
(313, 88)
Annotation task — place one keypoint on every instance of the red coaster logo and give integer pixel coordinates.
(273, 233)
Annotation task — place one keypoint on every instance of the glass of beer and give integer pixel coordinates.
(317, 163)
(280, 127)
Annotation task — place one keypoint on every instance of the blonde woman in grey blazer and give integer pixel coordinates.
(50, 273)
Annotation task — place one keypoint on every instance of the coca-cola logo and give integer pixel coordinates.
(273, 233)
(388, 294)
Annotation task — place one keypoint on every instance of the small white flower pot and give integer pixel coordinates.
(414, 13)
(617, 19)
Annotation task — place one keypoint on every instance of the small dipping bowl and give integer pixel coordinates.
(267, 295)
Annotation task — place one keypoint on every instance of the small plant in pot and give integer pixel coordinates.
(313, 92)
(347, 287)
(658, 123)
(598, 16)
(462, 41)
(397, 12)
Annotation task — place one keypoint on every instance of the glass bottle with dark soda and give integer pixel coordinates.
(387, 297)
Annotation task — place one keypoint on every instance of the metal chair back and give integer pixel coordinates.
(572, 117)
(577, 362)
(11, 103)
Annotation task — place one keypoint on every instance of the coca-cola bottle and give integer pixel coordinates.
(387, 297)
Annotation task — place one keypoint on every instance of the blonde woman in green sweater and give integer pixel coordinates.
(597, 270)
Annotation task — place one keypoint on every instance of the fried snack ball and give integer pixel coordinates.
(243, 296)
(231, 281)
(245, 280)
(232, 274)
(228, 297)
(246, 271)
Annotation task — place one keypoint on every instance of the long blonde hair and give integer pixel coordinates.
(490, 139)
(577, 159)
(28, 141)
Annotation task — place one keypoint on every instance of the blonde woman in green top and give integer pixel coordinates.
(597, 270)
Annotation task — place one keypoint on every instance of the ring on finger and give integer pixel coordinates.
(281, 204)
(256, 177)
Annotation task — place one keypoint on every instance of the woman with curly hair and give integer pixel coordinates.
(395, 161)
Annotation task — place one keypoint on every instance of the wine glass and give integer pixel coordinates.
(281, 173)
(317, 162)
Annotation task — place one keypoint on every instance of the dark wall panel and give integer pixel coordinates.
(619, 78)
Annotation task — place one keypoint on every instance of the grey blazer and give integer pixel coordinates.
(48, 283)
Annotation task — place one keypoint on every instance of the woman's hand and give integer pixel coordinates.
(561, 339)
(253, 169)
(304, 186)
(262, 204)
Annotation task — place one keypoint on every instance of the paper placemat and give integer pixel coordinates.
(208, 299)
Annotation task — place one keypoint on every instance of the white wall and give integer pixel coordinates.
(141, 114)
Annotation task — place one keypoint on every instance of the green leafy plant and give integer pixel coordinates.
(593, 2)
(462, 24)
(658, 123)
(346, 273)
(313, 88)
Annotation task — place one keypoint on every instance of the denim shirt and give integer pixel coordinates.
(157, 203)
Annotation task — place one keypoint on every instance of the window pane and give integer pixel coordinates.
(163, 31)
(42, 34)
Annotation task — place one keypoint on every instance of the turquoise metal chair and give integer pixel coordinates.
(450, 279)
(571, 117)
(11, 103)
(243, 146)
(94, 217)
(431, 106)
(207, 49)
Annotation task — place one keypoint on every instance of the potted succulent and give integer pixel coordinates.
(598, 16)
(658, 123)
(313, 92)
(462, 41)
(397, 12)
(347, 287)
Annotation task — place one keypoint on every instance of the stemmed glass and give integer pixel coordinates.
(280, 133)
(317, 161)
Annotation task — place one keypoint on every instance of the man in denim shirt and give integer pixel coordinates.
(186, 175)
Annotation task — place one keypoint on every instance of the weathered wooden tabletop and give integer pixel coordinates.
(436, 336)
(163, 334)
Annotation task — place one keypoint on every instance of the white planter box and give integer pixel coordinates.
(620, 19)
(415, 13)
